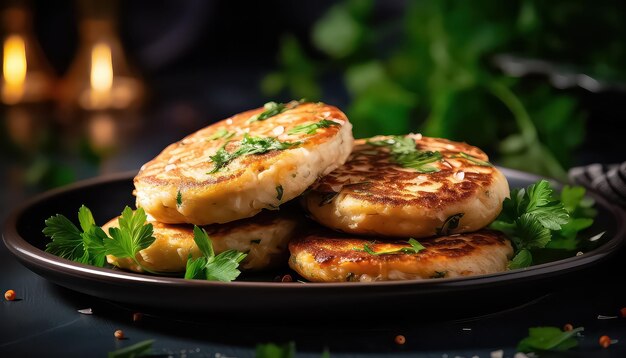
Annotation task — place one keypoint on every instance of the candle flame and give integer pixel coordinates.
(101, 77)
(14, 69)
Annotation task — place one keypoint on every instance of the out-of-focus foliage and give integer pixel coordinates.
(430, 71)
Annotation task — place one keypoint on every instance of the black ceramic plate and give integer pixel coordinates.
(107, 196)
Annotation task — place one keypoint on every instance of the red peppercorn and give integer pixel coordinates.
(605, 341)
(119, 334)
(568, 327)
(400, 339)
(9, 295)
(622, 312)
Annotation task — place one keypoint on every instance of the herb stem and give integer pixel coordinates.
(527, 128)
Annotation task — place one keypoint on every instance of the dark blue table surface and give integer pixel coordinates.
(44, 322)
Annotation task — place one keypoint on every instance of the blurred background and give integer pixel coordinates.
(96, 87)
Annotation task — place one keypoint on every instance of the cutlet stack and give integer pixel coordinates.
(231, 178)
(387, 208)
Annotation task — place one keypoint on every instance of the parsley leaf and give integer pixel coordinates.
(273, 108)
(132, 235)
(279, 192)
(313, 127)
(223, 267)
(404, 152)
(474, 159)
(531, 218)
(70, 243)
(548, 338)
(93, 241)
(136, 350)
(451, 223)
(179, 198)
(221, 133)
(67, 241)
(522, 259)
(271, 350)
(85, 218)
(247, 146)
(414, 249)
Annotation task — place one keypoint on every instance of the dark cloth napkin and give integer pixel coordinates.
(608, 180)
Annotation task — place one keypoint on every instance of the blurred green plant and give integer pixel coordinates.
(430, 71)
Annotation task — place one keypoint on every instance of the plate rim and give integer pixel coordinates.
(29, 255)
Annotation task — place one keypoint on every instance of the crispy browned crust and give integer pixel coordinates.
(372, 195)
(372, 177)
(327, 256)
(180, 185)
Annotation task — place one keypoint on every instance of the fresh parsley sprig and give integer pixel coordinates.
(84, 246)
(529, 218)
(90, 244)
(273, 108)
(414, 249)
(248, 146)
(581, 211)
(132, 236)
(473, 159)
(404, 152)
(222, 267)
(549, 339)
(313, 127)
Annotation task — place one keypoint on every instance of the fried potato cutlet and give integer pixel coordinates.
(254, 160)
(328, 256)
(409, 186)
(264, 238)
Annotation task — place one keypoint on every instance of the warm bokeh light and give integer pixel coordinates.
(101, 75)
(14, 69)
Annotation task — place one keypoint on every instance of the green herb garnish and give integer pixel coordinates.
(548, 338)
(132, 236)
(473, 159)
(581, 213)
(528, 217)
(313, 127)
(247, 146)
(140, 349)
(271, 350)
(91, 245)
(221, 133)
(414, 249)
(222, 267)
(451, 223)
(179, 199)
(404, 153)
(84, 246)
(272, 109)
(279, 192)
